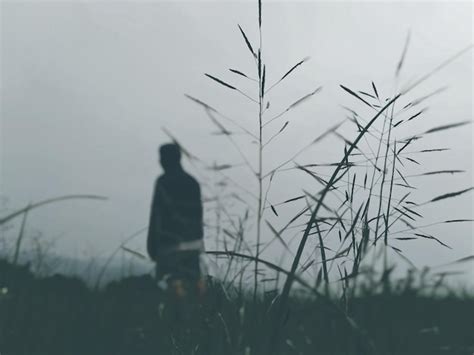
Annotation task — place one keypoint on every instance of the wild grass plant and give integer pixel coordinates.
(364, 208)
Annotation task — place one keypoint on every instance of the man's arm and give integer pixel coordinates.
(154, 224)
(199, 212)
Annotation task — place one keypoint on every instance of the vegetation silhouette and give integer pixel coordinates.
(61, 315)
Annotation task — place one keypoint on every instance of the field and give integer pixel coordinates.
(60, 315)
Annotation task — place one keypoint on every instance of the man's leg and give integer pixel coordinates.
(187, 273)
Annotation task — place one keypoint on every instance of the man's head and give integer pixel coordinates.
(170, 156)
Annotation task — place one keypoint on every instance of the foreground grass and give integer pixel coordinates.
(60, 315)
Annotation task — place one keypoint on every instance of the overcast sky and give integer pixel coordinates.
(88, 86)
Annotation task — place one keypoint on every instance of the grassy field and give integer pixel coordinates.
(60, 315)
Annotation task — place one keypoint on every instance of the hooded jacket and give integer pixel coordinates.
(176, 213)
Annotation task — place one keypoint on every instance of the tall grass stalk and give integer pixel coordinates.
(264, 179)
(283, 302)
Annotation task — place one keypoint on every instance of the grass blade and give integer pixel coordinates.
(449, 126)
(458, 220)
(220, 82)
(249, 46)
(451, 194)
(375, 90)
(304, 98)
(238, 72)
(134, 253)
(294, 67)
(202, 103)
(402, 58)
(20, 238)
(355, 95)
(415, 115)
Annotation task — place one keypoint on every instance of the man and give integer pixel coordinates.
(176, 225)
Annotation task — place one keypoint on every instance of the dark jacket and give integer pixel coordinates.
(176, 212)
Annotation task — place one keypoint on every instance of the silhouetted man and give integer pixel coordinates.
(176, 229)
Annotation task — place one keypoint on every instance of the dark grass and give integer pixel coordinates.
(60, 315)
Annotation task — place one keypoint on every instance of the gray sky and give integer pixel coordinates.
(87, 87)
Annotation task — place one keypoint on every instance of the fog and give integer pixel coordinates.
(88, 86)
